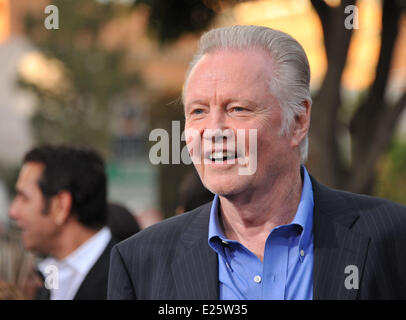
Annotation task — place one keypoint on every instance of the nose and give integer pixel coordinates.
(217, 119)
(219, 133)
(217, 127)
(13, 210)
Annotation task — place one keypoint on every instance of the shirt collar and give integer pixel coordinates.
(215, 229)
(304, 212)
(84, 257)
(303, 216)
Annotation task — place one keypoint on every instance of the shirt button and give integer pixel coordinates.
(257, 279)
(302, 253)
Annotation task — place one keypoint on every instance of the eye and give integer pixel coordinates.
(197, 111)
(237, 109)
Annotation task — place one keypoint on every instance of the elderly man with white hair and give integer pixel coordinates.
(274, 233)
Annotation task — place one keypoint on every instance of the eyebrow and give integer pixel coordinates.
(198, 101)
(243, 101)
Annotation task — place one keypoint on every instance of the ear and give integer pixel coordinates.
(301, 124)
(61, 206)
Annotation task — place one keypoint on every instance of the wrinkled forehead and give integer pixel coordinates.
(227, 69)
(224, 52)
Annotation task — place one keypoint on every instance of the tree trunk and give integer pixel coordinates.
(369, 127)
(324, 154)
(374, 122)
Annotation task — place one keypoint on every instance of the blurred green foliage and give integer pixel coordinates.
(96, 76)
(391, 180)
(8, 175)
(79, 112)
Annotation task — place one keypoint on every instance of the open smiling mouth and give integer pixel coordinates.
(222, 156)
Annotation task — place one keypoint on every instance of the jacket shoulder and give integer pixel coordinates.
(370, 206)
(374, 216)
(331, 200)
(168, 231)
(145, 260)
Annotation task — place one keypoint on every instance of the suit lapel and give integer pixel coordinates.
(94, 285)
(339, 252)
(42, 293)
(195, 267)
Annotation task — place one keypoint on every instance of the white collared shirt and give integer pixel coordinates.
(72, 270)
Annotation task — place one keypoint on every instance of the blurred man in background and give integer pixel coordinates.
(61, 209)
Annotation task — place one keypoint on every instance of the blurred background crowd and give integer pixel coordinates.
(113, 71)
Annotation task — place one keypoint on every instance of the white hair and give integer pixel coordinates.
(290, 81)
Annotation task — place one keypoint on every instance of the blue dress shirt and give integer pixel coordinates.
(286, 272)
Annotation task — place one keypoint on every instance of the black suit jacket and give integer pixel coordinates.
(94, 285)
(172, 259)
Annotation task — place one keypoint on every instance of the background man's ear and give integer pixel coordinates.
(61, 207)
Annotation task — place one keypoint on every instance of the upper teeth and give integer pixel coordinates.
(220, 155)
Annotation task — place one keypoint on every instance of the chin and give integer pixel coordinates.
(224, 181)
(225, 188)
(28, 246)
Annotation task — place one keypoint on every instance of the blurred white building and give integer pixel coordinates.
(4, 202)
(16, 105)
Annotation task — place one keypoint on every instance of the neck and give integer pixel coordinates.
(249, 217)
(71, 237)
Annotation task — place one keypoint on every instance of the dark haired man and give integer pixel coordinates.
(61, 209)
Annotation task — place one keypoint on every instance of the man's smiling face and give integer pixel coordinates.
(228, 90)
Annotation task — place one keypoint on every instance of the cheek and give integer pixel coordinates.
(200, 170)
(273, 153)
(35, 223)
(35, 217)
(193, 143)
(42, 229)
